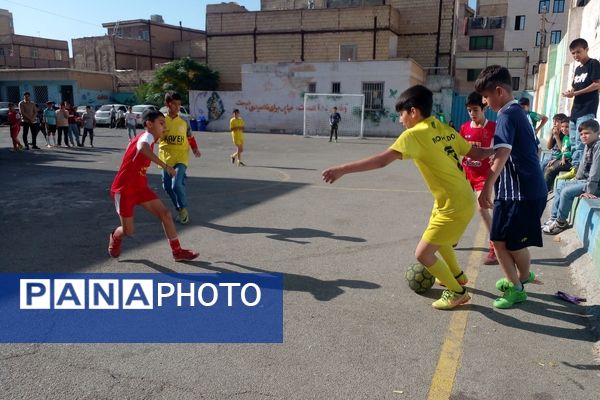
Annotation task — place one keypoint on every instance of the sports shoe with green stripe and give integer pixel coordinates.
(451, 299)
(502, 284)
(510, 297)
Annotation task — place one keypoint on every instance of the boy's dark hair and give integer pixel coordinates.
(170, 96)
(417, 96)
(590, 124)
(560, 117)
(235, 110)
(335, 108)
(26, 94)
(151, 115)
(578, 43)
(474, 99)
(86, 107)
(11, 104)
(524, 101)
(493, 76)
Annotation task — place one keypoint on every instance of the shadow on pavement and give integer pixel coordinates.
(561, 262)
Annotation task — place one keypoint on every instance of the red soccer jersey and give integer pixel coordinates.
(478, 171)
(14, 120)
(132, 173)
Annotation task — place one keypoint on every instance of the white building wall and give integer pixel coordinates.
(272, 96)
(525, 39)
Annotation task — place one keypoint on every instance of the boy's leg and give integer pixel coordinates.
(240, 150)
(26, 127)
(336, 133)
(167, 182)
(178, 186)
(331, 133)
(567, 195)
(84, 136)
(91, 131)
(507, 262)
(425, 254)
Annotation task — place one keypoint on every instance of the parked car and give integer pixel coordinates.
(80, 110)
(139, 110)
(103, 113)
(183, 113)
(3, 115)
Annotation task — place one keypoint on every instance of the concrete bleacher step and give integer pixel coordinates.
(586, 221)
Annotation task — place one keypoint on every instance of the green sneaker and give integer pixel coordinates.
(451, 299)
(183, 217)
(461, 278)
(510, 297)
(503, 283)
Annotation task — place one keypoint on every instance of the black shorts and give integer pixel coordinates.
(51, 128)
(518, 223)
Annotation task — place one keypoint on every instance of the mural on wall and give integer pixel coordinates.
(215, 108)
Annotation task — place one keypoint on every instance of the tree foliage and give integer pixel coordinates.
(179, 76)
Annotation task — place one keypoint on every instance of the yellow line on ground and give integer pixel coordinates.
(442, 382)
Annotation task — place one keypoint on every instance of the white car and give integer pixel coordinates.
(139, 110)
(183, 112)
(103, 113)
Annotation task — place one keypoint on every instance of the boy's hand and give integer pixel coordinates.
(551, 162)
(568, 93)
(563, 161)
(171, 171)
(197, 152)
(331, 175)
(485, 198)
(588, 196)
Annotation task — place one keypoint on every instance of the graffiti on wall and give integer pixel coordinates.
(215, 108)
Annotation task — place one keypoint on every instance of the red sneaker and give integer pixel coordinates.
(490, 259)
(184, 255)
(114, 246)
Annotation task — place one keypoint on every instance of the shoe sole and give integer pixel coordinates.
(110, 239)
(464, 300)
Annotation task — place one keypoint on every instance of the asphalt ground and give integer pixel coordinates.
(352, 327)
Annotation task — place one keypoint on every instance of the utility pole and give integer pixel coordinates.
(542, 35)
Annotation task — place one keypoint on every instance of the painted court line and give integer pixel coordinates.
(442, 381)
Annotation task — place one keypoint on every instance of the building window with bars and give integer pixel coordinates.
(40, 94)
(544, 6)
(520, 23)
(335, 87)
(481, 43)
(312, 87)
(473, 74)
(34, 52)
(555, 37)
(516, 81)
(540, 40)
(58, 55)
(559, 6)
(347, 52)
(373, 92)
(2, 51)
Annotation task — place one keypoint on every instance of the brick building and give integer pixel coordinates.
(20, 51)
(331, 30)
(137, 45)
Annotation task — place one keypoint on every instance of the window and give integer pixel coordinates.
(540, 40)
(559, 6)
(312, 87)
(481, 43)
(335, 87)
(347, 52)
(1, 51)
(555, 37)
(373, 92)
(519, 23)
(517, 49)
(13, 94)
(582, 3)
(516, 82)
(144, 35)
(534, 69)
(40, 94)
(544, 6)
(34, 52)
(473, 74)
(57, 55)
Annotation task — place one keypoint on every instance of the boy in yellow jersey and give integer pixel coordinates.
(173, 150)
(236, 124)
(435, 149)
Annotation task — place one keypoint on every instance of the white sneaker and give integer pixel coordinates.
(550, 220)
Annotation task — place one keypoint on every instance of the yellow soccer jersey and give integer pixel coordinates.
(174, 147)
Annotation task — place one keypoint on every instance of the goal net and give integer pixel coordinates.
(319, 106)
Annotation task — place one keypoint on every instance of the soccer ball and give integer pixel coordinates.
(418, 278)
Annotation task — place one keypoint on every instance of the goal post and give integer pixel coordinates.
(318, 107)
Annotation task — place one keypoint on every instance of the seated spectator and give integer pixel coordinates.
(560, 143)
(586, 182)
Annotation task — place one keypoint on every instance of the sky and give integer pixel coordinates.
(65, 20)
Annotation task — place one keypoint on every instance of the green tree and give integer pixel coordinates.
(180, 76)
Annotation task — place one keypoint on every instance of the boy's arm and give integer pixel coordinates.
(543, 120)
(194, 145)
(594, 180)
(480, 153)
(380, 160)
(500, 157)
(147, 152)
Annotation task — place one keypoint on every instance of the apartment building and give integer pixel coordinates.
(138, 44)
(20, 51)
(328, 31)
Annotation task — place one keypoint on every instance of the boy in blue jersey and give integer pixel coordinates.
(519, 183)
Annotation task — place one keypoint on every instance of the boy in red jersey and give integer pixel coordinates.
(14, 121)
(480, 133)
(130, 188)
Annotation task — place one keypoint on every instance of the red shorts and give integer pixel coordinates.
(477, 184)
(126, 201)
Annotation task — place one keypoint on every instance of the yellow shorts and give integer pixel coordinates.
(237, 137)
(447, 228)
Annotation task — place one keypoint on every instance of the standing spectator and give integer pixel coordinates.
(89, 123)
(334, 120)
(73, 125)
(28, 111)
(62, 124)
(120, 118)
(236, 124)
(131, 122)
(49, 119)
(113, 116)
(584, 90)
(534, 117)
(14, 120)
(39, 120)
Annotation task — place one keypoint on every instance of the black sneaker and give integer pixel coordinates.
(35, 147)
